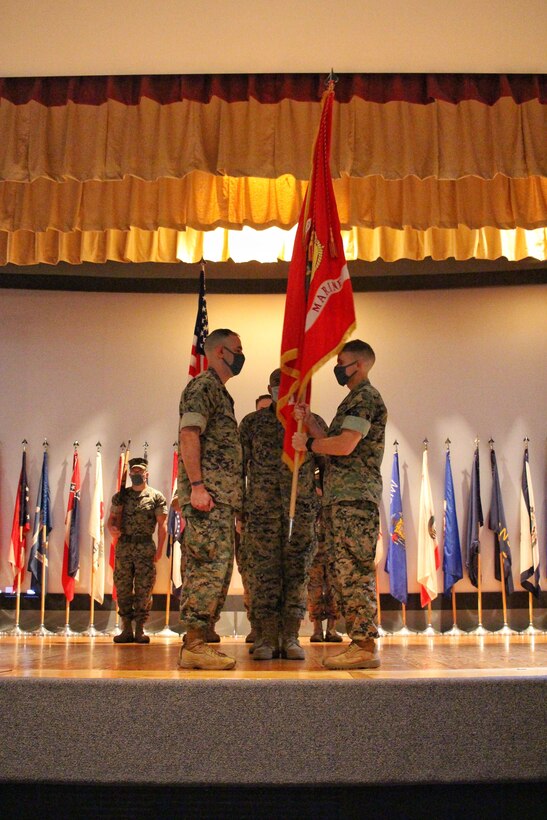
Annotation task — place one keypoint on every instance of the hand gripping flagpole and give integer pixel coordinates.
(16, 631)
(42, 631)
(166, 632)
(505, 629)
(455, 631)
(92, 631)
(479, 630)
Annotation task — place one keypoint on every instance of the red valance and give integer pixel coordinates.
(420, 89)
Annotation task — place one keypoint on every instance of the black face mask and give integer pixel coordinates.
(136, 479)
(340, 372)
(237, 362)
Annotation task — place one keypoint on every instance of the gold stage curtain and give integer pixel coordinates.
(160, 168)
(168, 245)
(248, 139)
(203, 201)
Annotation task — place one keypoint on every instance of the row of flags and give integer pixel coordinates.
(428, 551)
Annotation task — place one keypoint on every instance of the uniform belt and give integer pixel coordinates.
(135, 539)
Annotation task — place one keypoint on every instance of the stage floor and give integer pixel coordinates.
(415, 657)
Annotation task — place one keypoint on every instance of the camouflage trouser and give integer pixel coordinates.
(322, 602)
(351, 533)
(208, 547)
(278, 568)
(134, 576)
(225, 585)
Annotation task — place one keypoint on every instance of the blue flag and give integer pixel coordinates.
(496, 522)
(452, 555)
(475, 521)
(42, 518)
(396, 553)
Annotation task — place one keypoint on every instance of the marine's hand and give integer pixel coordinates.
(299, 441)
(201, 499)
(301, 412)
(114, 530)
(175, 503)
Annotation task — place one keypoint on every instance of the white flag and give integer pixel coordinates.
(428, 549)
(96, 531)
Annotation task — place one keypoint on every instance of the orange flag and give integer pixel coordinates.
(319, 311)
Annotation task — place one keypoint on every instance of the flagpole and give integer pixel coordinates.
(66, 631)
(91, 631)
(404, 631)
(455, 631)
(383, 633)
(480, 630)
(166, 632)
(294, 484)
(42, 631)
(16, 631)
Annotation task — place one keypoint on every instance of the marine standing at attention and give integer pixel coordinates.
(209, 490)
(134, 515)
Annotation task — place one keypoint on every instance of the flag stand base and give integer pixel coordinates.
(429, 631)
(66, 632)
(480, 630)
(455, 631)
(403, 632)
(505, 630)
(115, 631)
(530, 630)
(166, 633)
(41, 632)
(383, 633)
(15, 632)
(91, 632)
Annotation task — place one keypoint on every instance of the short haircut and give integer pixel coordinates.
(275, 377)
(362, 349)
(217, 337)
(263, 397)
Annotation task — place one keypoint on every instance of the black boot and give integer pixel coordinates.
(126, 635)
(140, 637)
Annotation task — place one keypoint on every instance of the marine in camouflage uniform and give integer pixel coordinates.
(322, 603)
(276, 566)
(352, 491)
(207, 408)
(136, 513)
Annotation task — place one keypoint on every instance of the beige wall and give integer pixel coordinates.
(92, 366)
(68, 37)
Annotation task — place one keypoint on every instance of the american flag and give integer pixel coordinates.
(20, 527)
(198, 360)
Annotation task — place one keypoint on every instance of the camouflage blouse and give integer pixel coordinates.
(357, 477)
(139, 511)
(268, 479)
(205, 403)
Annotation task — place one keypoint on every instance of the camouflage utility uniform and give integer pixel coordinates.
(322, 604)
(277, 569)
(135, 568)
(209, 537)
(352, 490)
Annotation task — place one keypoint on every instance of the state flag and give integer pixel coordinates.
(452, 553)
(428, 549)
(396, 552)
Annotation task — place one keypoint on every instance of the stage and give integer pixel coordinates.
(439, 710)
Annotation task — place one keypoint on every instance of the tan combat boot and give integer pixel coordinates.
(362, 655)
(212, 636)
(126, 635)
(266, 646)
(199, 655)
(140, 637)
(290, 647)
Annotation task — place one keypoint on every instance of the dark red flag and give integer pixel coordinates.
(319, 311)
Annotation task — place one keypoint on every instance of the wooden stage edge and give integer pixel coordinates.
(410, 658)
